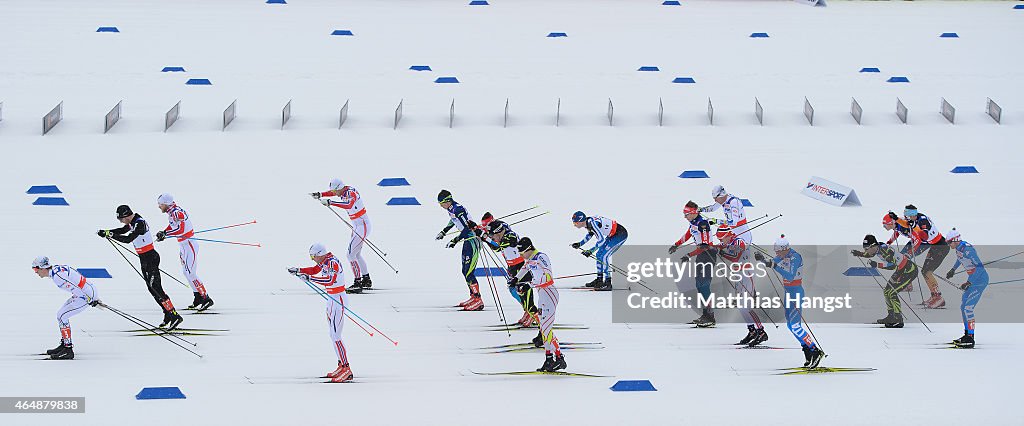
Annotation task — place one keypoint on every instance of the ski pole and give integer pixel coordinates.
(508, 215)
(318, 290)
(861, 260)
(226, 242)
(619, 270)
(574, 276)
(373, 247)
(152, 329)
(494, 293)
(531, 217)
(225, 227)
(515, 213)
(1007, 281)
(997, 260)
(121, 247)
(325, 297)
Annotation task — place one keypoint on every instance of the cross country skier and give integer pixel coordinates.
(82, 294)
(704, 256)
(180, 226)
(734, 250)
(904, 272)
(501, 238)
(889, 223)
(470, 246)
(610, 236)
(328, 273)
(537, 273)
(924, 236)
(789, 264)
(977, 281)
(352, 202)
(733, 209)
(136, 232)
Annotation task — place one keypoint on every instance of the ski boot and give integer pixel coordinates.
(596, 282)
(356, 287)
(342, 374)
(367, 284)
(707, 320)
(196, 301)
(751, 332)
(895, 321)
(171, 320)
(807, 355)
(475, 304)
(538, 342)
(65, 352)
(525, 320)
(816, 355)
(60, 347)
(965, 342)
(935, 302)
(206, 304)
(760, 337)
(604, 285)
(549, 364)
(559, 363)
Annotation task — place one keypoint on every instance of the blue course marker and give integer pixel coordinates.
(50, 201)
(161, 393)
(898, 80)
(758, 35)
(746, 202)
(633, 386)
(949, 35)
(649, 68)
(684, 80)
(860, 271)
(400, 181)
(403, 201)
(107, 30)
(43, 189)
(199, 82)
(558, 35)
(870, 69)
(420, 68)
(479, 3)
(670, 3)
(341, 33)
(276, 2)
(694, 174)
(1018, 6)
(173, 69)
(446, 80)
(964, 169)
(489, 272)
(94, 272)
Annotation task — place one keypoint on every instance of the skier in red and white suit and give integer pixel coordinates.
(734, 250)
(82, 294)
(352, 202)
(180, 226)
(328, 273)
(537, 273)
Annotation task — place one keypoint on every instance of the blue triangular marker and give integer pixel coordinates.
(446, 80)
(648, 69)
(107, 30)
(746, 202)
(50, 201)
(558, 35)
(694, 174)
(964, 169)
(684, 80)
(342, 32)
(43, 189)
(420, 68)
(759, 35)
(173, 69)
(670, 3)
(198, 82)
(870, 69)
(898, 80)
(479, 3)
(1018, 6)
(160, 393)
(403, 201)
(401, 181)
(489, 272)
(633, 386)
(94, 272)
(276, 2)
(949, 35)
(860, 271)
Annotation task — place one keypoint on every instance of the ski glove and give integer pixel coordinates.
(950, 273)
(965, 285)
(161, 235)
(315, 195)
(575, 245)
(94, 303)
(325, 201)
(293, 271)
(453, 242)
(684, 259)
(673, 248)
(873, 264)
(587, 253)
(440, 235)
(103, 233)
(857, 253)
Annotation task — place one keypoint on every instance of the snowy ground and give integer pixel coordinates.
(264, 55)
